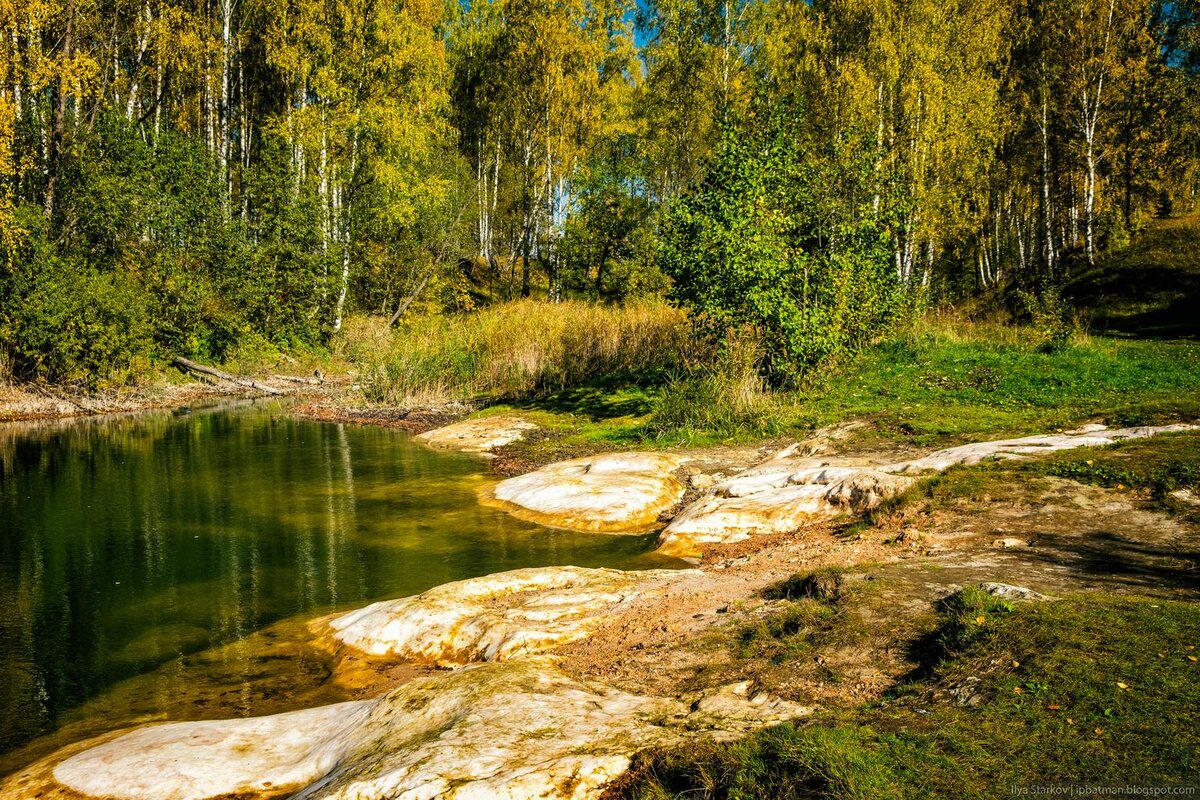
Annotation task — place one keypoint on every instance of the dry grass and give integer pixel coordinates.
(514, 350)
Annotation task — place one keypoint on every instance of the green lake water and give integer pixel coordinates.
(128, 544)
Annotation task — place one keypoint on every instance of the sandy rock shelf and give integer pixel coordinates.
(480, 436)
(785, 491)
(494, 617)
(610, 493)
(513, 730)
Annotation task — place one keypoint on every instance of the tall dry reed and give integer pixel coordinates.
(520, 349)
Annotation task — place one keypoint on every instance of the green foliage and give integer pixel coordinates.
(65, 322)
(1050, 316)
(608, 246)
(155, 266)
(723, 396)
(760, 245)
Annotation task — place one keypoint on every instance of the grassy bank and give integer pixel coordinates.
(946, 381)
(1088, 688)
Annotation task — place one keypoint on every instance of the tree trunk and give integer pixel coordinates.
(212, 372)
(60, 120)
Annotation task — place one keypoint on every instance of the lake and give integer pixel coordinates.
(130, 544)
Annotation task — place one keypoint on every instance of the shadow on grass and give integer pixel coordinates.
(623, 396)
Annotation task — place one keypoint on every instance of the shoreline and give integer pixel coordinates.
(682, 645)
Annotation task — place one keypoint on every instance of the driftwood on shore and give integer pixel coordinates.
(211, 372)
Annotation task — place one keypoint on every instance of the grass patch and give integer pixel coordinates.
(520, 350)
(1052, 708)
(953, 380)
(1159, 465)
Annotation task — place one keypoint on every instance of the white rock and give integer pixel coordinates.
(1186, 496)
(495, 617)
(194, 760)
(784, 492)
(1006, 591)
(478, 435)
(734, 703)
(613, 493)
(520, 729)
(1009, 542)
(776, 499)
(968, 454)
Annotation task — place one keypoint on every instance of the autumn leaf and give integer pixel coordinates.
(1191, 658)
(980, 619)
(1053, 707)
(1122, 686)
(1018, 690)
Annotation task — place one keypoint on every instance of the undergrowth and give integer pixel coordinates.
(1095, 688)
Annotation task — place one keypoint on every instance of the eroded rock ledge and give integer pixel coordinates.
(783, 492)
(610, 493)
(494, 617)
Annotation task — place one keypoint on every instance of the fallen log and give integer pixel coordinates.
(201, 369)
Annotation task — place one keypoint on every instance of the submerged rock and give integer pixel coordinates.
(610, 493)
(784, 492)
(517, 729)
(478, 435)
(493, 617)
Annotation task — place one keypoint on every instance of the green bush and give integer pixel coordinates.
(762, 243)
(64, 322)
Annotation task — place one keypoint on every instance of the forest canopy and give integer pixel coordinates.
(189, 177)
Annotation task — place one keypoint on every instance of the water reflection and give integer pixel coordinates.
(129, 543)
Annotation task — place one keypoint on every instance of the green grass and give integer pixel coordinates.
(1051, 708)
(958, 380)
(950, 383)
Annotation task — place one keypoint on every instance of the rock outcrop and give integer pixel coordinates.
(777, 496)
(967, 454)
(783, 492)
(512, 730)
(494, 617)
(610, 493)
(478, 435)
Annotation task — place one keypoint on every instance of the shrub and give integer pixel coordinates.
(763, 244)
(64, 322)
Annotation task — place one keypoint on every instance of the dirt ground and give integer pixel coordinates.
(1063, 537)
